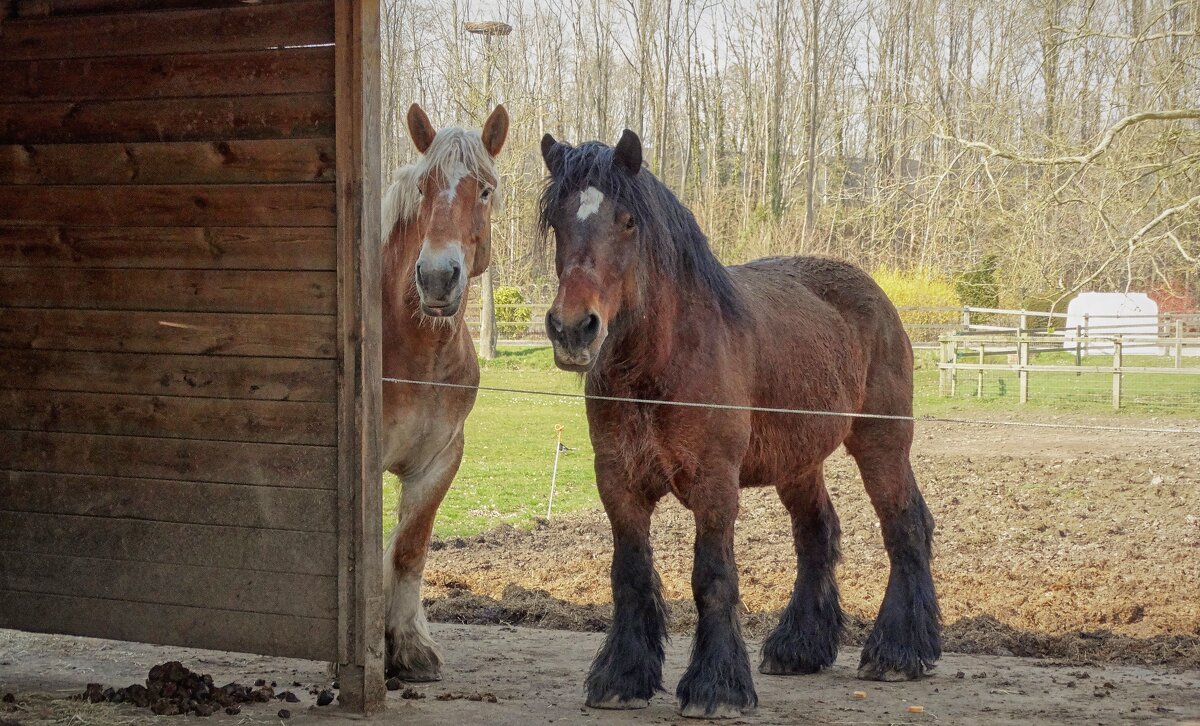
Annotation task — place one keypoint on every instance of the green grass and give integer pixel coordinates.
(505, 473)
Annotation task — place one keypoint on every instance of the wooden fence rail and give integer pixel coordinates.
(956, 352)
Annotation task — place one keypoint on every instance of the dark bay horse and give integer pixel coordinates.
(437, 222)
(646, 311)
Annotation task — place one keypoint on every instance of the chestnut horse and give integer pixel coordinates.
(437, 217)
(646, 311)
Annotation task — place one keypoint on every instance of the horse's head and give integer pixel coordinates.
(591, 204)
(457, 186)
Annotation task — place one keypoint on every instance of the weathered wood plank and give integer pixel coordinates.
(280, 465)
(245, 73)
(231, 291)
(168, 32)
(191, 248)
(280, 635)
(246, 548)
(301, 205)
(274, 336)
(172, 417)
(181, 162)
(305, 115)
(264, 379)
(39, 8)
(361, 607)
(210, 588)
(165, 500)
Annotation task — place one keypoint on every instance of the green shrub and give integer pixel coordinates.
(977, 287)
(512, 322)
(919, 287)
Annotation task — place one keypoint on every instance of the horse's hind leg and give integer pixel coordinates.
(411, 652)
(806, 639)
(906, 640)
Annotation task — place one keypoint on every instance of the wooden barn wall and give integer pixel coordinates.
(171, 351)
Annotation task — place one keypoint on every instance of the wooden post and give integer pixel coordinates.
(954, 368)
(979, 374)
(966, 319)
(488, 330)
(1116, 398)
(1086, 332)
(1023, 360)
(359, 489)
(1178, 343)
(1079, 348)
(488, 333)
(943, 347)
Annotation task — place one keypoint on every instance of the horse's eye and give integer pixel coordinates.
(486, 194)
(631, 223)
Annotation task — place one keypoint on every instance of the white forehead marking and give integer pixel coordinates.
(452, 179)
(589, 202)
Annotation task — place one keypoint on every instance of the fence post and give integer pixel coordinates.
(1022, 362)
(1086, 332)
(979, 376)
(1178, 343)
(1117, 372)
(941, 367)
(966, 319)
(954, 368)
(1078, 348)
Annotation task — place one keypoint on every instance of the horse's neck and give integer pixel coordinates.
(665, 327)
(414, 341)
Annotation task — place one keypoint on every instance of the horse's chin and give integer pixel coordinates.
(440, 312)
(580, 362)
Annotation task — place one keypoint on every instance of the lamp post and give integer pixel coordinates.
(489, 29)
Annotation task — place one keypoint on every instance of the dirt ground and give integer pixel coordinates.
(1078, 551)
(536, 676)
(1083, 546)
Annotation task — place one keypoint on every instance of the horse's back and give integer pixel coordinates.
(822, 293)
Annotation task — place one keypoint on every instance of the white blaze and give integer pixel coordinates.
(452, 179)
(589, 202)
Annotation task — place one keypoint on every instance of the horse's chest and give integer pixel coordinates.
(420, 425)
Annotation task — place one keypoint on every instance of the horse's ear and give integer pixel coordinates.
(419, 128)
(628, 155)
(551, 152)
(495, 131)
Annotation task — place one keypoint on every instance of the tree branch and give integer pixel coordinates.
(1100, 148)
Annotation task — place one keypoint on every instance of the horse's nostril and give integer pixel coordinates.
(592, 325)
(455, 271)
(555, 322)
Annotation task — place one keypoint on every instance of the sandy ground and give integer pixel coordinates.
(1082, 546)
(536, 676)
(1079, 551)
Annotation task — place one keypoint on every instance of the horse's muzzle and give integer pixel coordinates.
(576, 343)
(440, 287)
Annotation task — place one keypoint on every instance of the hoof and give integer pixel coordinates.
(874, 672)
(721, 710)
(775, 667)
(616, 703)
(413, 676)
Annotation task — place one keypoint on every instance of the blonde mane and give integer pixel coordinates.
(454, 150)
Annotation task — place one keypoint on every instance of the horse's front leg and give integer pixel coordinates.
(717, 682)
(628, 669)
(411, 652)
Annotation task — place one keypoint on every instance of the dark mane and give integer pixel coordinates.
(671, 239)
